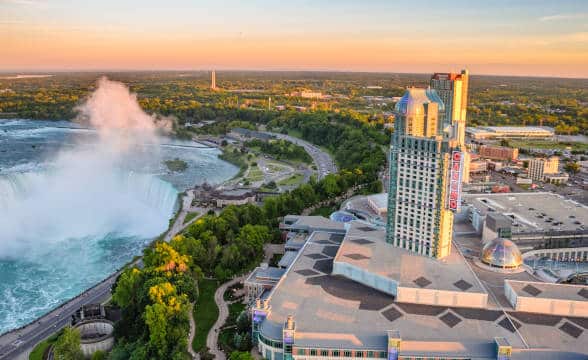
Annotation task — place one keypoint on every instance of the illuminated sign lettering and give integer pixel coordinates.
(258, 316)
(288, 336)
(455, 173)
(393, 354)
(393, 348)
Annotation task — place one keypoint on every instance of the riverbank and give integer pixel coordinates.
(19, 342)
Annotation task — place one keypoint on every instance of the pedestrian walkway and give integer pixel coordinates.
(223, 314)
(193, 354)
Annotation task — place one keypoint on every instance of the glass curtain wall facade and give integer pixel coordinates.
(419, 219)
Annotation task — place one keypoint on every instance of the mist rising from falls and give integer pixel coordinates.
(48, 207)
(89, 190)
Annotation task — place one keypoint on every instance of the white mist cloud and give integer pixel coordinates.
(116, 114)
(89, 191)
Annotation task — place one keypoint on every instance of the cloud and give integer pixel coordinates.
(23, 2)
(561, 17)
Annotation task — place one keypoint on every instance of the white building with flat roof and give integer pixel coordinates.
(509, 132)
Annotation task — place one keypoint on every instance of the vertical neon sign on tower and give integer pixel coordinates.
(455, 181)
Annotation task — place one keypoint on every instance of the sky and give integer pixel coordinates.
(507, 37)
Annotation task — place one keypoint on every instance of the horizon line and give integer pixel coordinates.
(123, 70)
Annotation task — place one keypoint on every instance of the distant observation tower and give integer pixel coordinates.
(213, 80)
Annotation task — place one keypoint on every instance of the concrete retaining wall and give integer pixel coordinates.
(96, 335)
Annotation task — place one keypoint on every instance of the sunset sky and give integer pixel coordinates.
(526, 37)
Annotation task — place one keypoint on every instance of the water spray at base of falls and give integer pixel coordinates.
(69, 225)
(89, 191)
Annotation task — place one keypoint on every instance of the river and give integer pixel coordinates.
(61, 231)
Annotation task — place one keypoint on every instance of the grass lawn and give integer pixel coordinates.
(190, 216)
(292, 180)
(546, 144)
(205, 313)
(40, 348)
(255, 174)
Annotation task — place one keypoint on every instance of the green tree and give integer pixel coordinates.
(99, 355)
(156, 320)
(67, 346)
(241, 355)
(329, 186)
(572, 167)
(126, 287)
(243, 322)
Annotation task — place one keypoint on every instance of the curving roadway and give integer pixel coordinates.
(324, 162)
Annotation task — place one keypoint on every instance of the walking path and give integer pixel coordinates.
(178, 226)
(194, 355)
(223, 314)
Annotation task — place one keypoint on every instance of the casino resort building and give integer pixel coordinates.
(410, 289)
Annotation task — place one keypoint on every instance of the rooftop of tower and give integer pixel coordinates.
(449, 75)
(414, 98)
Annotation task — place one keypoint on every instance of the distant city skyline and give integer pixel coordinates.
(521, 38)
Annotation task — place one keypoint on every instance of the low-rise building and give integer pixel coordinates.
(207, 196)
(558, 179)
(245, 134)
(537, 220)
(262, 278)
(234, 197)
(523, 180)
(379, 203)
(509, 132)
(539, 167)
(494, 165)
(550, 299)
(478, 166)
(354, 296)
(307, 94)
(498, 152)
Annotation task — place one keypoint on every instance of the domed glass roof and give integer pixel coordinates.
(342, 216)
(413, 99)
(502, 253)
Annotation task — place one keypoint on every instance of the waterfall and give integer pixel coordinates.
(157, 193)
(44, 208)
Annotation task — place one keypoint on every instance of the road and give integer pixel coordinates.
(17, 344)
(223, 313)
(324, 163)
(285, 172)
